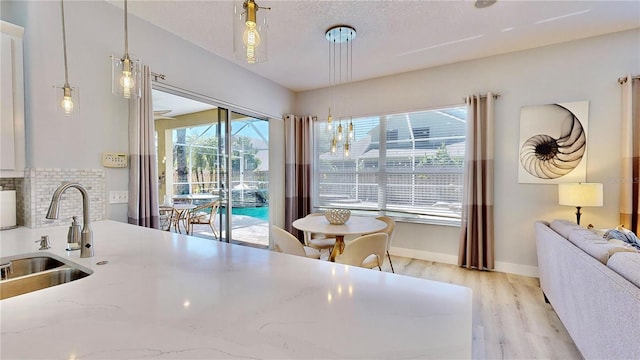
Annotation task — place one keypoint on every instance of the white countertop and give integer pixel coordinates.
(170, 296)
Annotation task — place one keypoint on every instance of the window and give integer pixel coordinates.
(414, 171)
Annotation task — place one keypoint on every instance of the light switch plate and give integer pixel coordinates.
(118, 197)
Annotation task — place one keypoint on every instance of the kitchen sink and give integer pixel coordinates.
(36, 272)
(31, 265)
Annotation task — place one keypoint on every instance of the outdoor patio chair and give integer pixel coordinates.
(166, 217)
(204, 214)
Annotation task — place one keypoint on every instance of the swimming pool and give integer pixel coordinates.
(256, 212)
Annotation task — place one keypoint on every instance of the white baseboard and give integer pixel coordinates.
(518, 269)
(424, 255)
(525, 270)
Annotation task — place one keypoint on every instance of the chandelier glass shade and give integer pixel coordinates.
(125, 72)
(340, 40)
(250, 32)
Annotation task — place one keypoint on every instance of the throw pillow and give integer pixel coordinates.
(620, 233)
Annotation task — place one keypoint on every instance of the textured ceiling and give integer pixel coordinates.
(392, 36)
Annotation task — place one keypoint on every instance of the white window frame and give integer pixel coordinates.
(440, 212)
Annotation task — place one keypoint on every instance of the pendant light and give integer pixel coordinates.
(249, 32)
(125, 72)
(68, 105)
(340, 39)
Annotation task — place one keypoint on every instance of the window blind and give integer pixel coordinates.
(407, 163)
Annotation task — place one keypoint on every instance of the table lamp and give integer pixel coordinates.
(579, 195)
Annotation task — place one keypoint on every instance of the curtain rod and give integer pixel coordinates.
(495, 96)
(622, 80)
(156, 76)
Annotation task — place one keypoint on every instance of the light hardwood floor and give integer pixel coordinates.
(510, 317)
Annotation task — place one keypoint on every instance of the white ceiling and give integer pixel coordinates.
(166, 105)
(392, 36)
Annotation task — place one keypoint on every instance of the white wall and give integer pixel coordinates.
(587, 69)
(95, 30)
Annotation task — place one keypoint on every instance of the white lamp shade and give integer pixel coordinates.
(580, 194)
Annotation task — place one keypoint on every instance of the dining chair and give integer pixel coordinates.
(204, 214)
(317, 240)
(372, 261)
(361, 248)
(289, 244)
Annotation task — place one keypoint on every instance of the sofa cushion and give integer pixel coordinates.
(627, 264)
(594, 245)
(564, 227)
(616, 247)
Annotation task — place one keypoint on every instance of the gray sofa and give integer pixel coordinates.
(593, 286)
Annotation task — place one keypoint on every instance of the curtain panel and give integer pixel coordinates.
(630, 189)
(143, 175)
(477, 226)
(298, 154)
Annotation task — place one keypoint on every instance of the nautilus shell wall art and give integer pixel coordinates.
(553, 143)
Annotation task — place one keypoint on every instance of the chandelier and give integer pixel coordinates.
(340, 39)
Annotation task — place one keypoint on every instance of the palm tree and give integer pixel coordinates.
(181, 160)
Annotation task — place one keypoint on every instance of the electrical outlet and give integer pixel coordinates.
(118, 197)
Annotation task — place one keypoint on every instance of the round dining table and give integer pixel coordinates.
(356, 225)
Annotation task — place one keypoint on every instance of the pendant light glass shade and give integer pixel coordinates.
(125, 77)
(67, 100)
(66, 96)
(125, 72)
(250, 30)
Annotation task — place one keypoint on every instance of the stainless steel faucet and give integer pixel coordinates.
(86, 236)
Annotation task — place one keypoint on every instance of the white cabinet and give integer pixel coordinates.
(12, 131)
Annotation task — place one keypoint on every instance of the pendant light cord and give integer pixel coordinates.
(126, 30)
(348, 70)
(64, 47)
(333, 90)
(340, 75)
(330, 82)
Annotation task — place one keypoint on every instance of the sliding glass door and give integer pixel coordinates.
(248, 182)
(206, 153)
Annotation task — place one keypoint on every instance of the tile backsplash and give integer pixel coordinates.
(34, 192)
